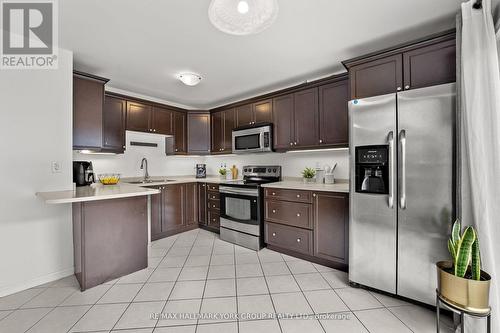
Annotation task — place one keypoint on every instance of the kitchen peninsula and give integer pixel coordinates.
(110, 230)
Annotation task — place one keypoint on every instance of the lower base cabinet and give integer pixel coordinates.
(174, 210)
(321, 236)
(211, 208)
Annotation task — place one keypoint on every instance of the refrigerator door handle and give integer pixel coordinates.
(402, 183)
(390, 139)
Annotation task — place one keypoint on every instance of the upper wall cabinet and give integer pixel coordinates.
(333, 119)
(139, 116)
(114, 123)
(306, 118)
(414, 65)
(90, 123)
(180, 138)
(162, 121)
(253, 113)
(222, 124)
(198, 133)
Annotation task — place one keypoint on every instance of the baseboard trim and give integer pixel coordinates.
(12, 289)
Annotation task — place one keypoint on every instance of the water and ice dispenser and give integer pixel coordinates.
(372, 169)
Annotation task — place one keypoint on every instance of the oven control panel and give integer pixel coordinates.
(262, 170)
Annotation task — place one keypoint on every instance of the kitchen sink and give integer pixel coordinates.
(152, 181)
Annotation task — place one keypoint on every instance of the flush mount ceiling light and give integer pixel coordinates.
(242, 17)
(189, 79)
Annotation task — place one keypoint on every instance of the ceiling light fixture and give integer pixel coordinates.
(189, 79)
(242, 17)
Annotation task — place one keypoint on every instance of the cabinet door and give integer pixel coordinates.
(156, 214)
(213, 219)
(377, 77)
(263, 111)
(283, 122)
(331, 226)
(306, 118)
(88, 99)
(333, 114)
(202, 203)
(139, 117)
(114, 124)
(180, 132)
(244, 115)
(229, 124)
(217, 123)
(198, 133)
(162, 121)
(191, 203)
(173, 207)
(431, 65)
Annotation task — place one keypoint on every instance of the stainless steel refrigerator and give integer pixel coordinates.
(401, 189)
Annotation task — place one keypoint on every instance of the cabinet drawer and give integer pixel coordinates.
(290, 195)
(290, 213)
(213, 195)
(214, 204)
(213, 187)
(289, 238)
(213, 218)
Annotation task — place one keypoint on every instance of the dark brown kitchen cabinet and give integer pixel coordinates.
(377, 77)
(212, 200)
(198, 127)
(253, 113)
(306, 118)
(191, 204)
(180, 122)
(333, 114)
(244, 115)
(202, 203)
(331, 222)
(417, 64)
(283, 121)
(156, 213)
(114, 124)
(431, 65)
(222, 124)
(162, 121)
(88, 102)
(173, 217)
(139, 116)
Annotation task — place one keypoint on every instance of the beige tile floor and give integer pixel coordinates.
(197, 273)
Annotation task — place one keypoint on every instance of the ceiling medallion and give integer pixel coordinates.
(242, 17)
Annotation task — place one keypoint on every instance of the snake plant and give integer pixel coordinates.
(464, 250)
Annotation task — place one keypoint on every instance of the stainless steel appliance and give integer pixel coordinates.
(83, 173)
(241, 211)
(253, 138)
(402, 189)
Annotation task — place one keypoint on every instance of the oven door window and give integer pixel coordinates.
(239, 208)
(251, 141)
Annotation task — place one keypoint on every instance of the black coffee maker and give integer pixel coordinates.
(83, 173)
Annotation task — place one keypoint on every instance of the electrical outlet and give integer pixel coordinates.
(56, 167)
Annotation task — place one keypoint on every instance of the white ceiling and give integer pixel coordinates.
(142, 44)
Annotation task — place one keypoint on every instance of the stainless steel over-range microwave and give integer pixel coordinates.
(253, 139)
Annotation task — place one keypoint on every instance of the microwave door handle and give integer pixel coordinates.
(390, 139)
(402, 183)
(261, 140)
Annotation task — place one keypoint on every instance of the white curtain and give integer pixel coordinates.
(479, 119)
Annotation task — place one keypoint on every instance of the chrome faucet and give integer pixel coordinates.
(144, 166)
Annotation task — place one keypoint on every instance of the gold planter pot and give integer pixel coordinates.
(469, 295)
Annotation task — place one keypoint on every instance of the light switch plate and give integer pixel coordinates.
(56, 167)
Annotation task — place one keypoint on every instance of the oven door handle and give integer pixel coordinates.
(249, 192)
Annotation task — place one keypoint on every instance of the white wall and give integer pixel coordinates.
(36, 240)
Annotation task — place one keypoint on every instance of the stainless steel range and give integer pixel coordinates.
(241, 208)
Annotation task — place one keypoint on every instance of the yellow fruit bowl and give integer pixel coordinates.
(109, 178)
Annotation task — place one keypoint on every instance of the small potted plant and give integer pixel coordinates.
(461, 281)
(308, 175)
(222, 173)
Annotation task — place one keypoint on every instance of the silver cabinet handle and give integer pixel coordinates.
(320, 141)
(295, 143)
(398, 89)
(390, 139)
(298, 195)
(291, 143)
(407, 87)
(154, 130)
(402, 183)
(274, 234)
(314, 194)
(274, 211)
(298, 240)
(274, 193)
(298, 214)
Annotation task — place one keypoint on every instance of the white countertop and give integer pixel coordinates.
(175, 180)
(342, 186)
(95, 192)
